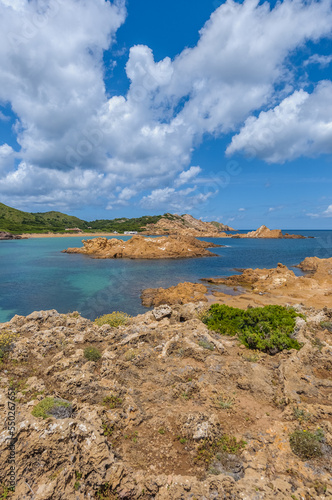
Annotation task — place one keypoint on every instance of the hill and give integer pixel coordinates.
(17, 221)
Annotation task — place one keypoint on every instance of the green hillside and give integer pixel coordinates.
(16, 222)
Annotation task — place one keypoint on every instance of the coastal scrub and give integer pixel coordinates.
(52, 407)
(268, 329)
(114, 319)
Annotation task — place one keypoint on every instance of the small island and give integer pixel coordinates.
(138, 247)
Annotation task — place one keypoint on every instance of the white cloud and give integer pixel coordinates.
(51, 73)
(187, 176)
(7, 157)
(321, 60)
(325, 213)
(182, 200)
(301, 125)
(328, 211)
(242, 209)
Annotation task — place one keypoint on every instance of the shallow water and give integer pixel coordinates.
(35, 274)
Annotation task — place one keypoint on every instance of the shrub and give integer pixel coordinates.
(327, 325)
(92, 353)
(266, 329)
(50, 407)
(115, 319)
(112, 402)
(7, 340)
(306, 444)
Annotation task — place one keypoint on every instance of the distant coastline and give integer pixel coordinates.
(68, 235)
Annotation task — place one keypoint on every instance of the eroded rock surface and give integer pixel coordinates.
(138, 247)
(161, 389)
(280, 285)
(179, 294)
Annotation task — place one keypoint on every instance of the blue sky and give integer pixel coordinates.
(218, 109)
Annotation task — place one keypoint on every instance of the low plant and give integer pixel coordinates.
(252, 358)
(4, 492)
(44, 408)
(92, 353)
(112, 402)
(301, 414)
(115, 319)
(130, 354)
(107, 429)
(209, 449)
(206, 344)
(7, 342)
(267, 329)
(306, 444)
(327, 325)
(161, 431)
(225, 402)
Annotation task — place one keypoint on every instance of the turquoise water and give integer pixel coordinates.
(35, 274)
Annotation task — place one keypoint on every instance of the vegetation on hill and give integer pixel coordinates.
(16, 221)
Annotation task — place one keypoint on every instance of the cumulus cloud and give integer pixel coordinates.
(181, 200)
(187, 176)
(52, 74)
(328, 211)
(7, 157)
(301, 125)
(321, 60)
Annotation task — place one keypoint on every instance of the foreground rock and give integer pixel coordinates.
(144, 412)
(9, 236)
(281, 285)
(138, 247)
(265, 232)
(179, 294)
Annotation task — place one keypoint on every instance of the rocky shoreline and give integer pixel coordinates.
(9, 236)
(138, 247)
(138, 422)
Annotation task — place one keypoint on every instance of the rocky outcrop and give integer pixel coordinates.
(146, 413)
(9, 236)
(187, 225)
(281, 285)
(179, 294)
(138, 247)
(265, 232)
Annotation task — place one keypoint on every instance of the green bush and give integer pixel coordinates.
(92, 353)
(266, 329)
(48, 407)
(115, 319)
(307, 444)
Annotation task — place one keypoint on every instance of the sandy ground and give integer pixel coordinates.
(71, 235)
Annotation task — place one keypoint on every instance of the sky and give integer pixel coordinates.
(218, 109)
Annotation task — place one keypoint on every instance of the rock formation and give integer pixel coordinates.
(265, 232)
(147, 414)
(179, 294)
(138, 247)
(9, 236)
(281, 285)
(187, 225)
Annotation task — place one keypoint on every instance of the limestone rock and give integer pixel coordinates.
(138, 247)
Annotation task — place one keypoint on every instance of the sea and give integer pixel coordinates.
(35, 275)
